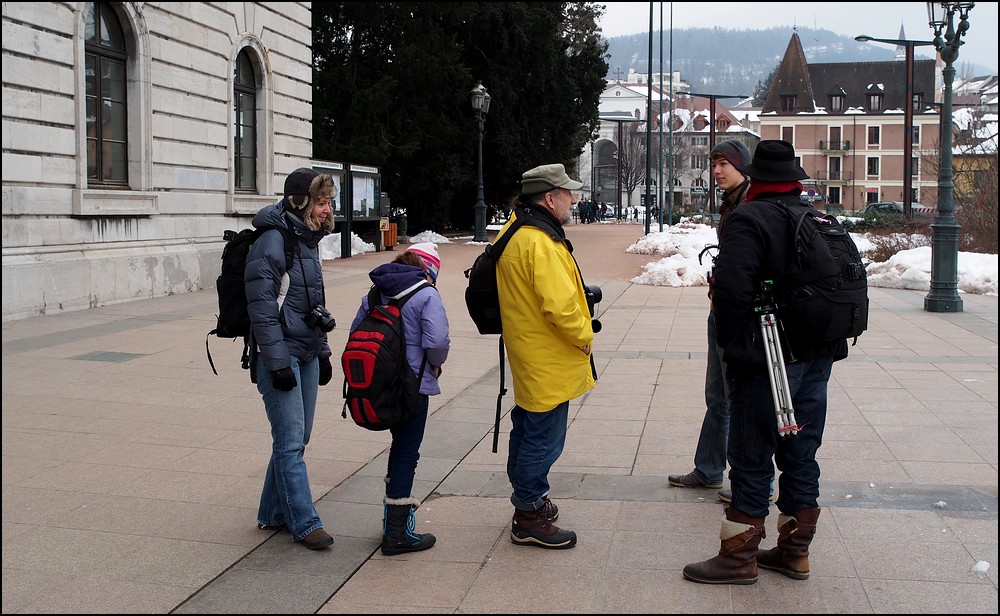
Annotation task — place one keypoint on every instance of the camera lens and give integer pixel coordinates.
(595, 293)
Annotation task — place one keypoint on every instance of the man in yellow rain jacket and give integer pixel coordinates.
(548, 334)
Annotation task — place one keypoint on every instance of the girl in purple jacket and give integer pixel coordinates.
(425, 324)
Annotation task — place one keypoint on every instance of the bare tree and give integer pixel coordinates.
(974, 175)
(633, 140)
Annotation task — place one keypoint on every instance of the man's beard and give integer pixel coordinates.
(566, 217)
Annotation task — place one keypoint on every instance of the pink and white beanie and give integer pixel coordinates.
(428, 253)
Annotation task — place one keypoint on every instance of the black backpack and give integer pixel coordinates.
(380, 389)
(233, 320)
(481, 296)
(824, 294)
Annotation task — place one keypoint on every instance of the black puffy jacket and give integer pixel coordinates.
(756, 246)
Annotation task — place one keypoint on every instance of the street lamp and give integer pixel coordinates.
(711, 143)
(481, 105)
(619, 117)
(907, 116)
(943, 295)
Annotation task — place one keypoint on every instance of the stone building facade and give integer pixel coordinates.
(134, 134)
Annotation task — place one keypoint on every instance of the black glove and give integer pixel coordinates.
(325, 371)
(283, 379)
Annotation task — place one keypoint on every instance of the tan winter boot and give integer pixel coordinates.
(791, 556)
(736, 562)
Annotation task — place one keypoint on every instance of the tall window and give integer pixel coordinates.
(874, 135)
(788, 133)
(916, 135)
(788, 102)
(874, 102)
(833, 194)
(699, 161)
(245, 120)
(918, 101)
(699, 140)
(873, 165)
(836, 103)
(915, 166)
(107, 111)
(835, 168)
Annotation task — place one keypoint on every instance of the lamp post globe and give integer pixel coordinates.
(480, 99)
(943, 295)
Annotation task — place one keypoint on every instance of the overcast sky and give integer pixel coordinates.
(879, 19)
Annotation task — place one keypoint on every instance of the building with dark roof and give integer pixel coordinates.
(846, 121)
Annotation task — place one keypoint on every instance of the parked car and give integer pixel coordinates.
(919, 212)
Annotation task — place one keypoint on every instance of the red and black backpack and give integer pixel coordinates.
(380, 389)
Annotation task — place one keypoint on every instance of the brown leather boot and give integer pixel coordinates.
(736, 562)
(791, 556)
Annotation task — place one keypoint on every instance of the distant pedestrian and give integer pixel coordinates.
(548, 334)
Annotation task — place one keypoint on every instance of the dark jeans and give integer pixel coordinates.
(753, 438)
(536, 441)
(710, 455)
(405, 451)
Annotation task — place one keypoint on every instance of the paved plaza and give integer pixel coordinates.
(131, 472)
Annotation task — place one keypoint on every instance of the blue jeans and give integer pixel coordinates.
(536, 441)
(405, 451)
(710, 455)
(753, 438)
(286, 497)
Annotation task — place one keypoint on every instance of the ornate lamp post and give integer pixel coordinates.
(619, 117)
(711, 144)
(943, 295)
(907, 116)
(481, 105)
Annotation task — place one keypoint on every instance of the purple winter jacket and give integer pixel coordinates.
(425, 322)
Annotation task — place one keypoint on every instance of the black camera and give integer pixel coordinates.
(320, 317)
(594, 296)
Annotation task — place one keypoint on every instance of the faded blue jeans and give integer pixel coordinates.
(710, 455)
(536, 442)
(286, 497)
(405, 451)
(753, 438)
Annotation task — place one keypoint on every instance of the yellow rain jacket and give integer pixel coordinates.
(546, 322)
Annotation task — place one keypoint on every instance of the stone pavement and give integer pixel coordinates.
(131, 472)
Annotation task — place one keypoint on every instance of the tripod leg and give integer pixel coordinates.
(780, 391)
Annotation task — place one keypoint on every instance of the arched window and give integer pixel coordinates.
(245, 119)
(107, 108)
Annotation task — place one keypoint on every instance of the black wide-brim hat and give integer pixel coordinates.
(774, 161)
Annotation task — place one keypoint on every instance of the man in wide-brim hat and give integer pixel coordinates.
(756, 247)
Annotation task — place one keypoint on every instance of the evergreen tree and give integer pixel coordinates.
(763, 87)
(391, 90)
